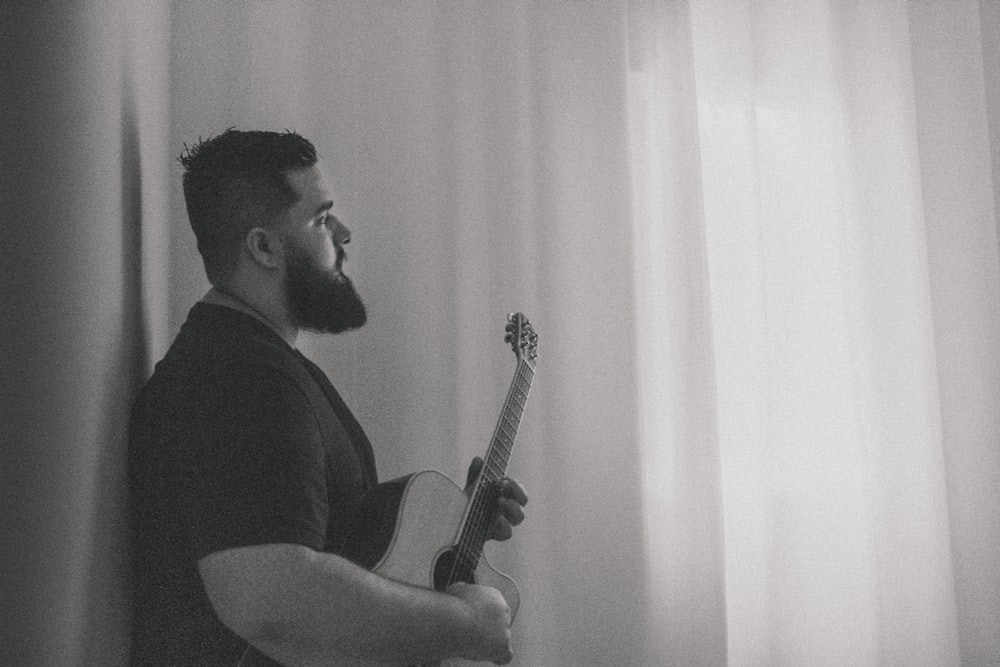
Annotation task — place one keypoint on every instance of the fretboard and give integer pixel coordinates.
(482, 507)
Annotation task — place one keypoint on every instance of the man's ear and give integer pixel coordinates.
(264, 247)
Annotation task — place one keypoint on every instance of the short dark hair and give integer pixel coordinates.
(236, 181)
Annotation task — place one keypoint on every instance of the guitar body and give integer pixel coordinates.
(405, 531)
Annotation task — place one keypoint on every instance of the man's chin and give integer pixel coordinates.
(323, 301)
(333, 328)
(341, 315)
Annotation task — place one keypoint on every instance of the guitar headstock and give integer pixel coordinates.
(522, 338)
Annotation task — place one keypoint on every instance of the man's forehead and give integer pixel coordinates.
(310, 183)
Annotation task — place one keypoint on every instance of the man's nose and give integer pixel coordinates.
(341, 233)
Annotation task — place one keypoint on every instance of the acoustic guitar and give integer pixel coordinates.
(427, 531)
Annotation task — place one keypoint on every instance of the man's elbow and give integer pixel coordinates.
(257, 628)
(247, 588)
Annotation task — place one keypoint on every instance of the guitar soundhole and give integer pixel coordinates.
(446, 573)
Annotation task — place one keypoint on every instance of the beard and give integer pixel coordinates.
(322, 301)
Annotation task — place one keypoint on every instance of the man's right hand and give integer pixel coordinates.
(489, 622)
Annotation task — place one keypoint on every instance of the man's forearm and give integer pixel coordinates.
(333, 607)
(307, 608)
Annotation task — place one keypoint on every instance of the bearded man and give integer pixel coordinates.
(245, 464)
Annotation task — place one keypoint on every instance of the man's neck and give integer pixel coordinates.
(221, 296)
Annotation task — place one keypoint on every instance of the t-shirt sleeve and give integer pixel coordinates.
(251, 467)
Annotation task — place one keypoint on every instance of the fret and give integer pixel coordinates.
(494, 466)
(500, 458)
(504, 456)
(501, 434)
(502, 445)
(506, 445)
(502, 431)
(513, 423)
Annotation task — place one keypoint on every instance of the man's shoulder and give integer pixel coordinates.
(218, 356)
(250, 385)
(216, 339)
(226, 375)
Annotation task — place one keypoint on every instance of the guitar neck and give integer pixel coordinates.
(498, 455)
(482, 505)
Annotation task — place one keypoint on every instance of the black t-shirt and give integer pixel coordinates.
(237, 439)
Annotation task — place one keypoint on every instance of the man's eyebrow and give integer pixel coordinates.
(325, 206)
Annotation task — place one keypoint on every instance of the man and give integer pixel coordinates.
(245, 464)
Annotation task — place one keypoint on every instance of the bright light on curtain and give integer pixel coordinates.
(758, 240)
(825, 169)
(835, 506)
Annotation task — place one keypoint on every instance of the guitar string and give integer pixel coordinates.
(469, 547)
(501, 448)
(467, 553)
(470, 544)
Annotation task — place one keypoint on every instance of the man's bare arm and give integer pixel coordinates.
(304, 608)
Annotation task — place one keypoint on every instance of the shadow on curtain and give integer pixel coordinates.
(107, 598)
(78, 187)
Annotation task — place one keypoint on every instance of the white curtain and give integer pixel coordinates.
(817, 177)
(758, 241)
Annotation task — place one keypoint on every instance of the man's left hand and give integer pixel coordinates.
(511, 500)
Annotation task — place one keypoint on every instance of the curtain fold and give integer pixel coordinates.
(952, 82)
(758, 242)
(83, 93)
(672, 325)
